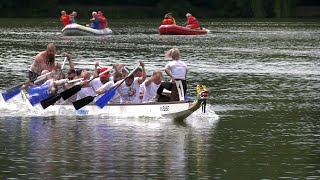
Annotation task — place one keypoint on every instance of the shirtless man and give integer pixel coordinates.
(45, 60)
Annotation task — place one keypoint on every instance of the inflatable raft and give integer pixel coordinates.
(180, 30)
(79, 30)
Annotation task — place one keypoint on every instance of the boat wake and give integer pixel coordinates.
(17, 107)
(200, 120)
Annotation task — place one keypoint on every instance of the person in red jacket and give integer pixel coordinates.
(192, 22)
(65, 18)
(167, 20)
(103, 20)
(170, 17)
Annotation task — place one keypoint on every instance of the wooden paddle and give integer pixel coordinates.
(104, 99)
(66, 94)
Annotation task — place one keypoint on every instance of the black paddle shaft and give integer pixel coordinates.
(82, 102)
(49, 101)
(70, 92)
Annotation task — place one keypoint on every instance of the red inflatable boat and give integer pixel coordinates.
(180, 30)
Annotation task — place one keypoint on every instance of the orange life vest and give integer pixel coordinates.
(103, 21)
(167, 21)
(65, 19)
(193, 22)
(173, 20)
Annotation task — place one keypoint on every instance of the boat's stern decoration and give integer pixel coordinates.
(203, 95)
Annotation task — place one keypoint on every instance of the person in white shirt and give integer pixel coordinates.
(151, 86)
(86, 90)
(116, 99)
(177, 70)
(138, 73)
(101, 80)
(129, 90)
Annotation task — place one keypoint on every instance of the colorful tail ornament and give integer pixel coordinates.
(198, 89)
(203, 95)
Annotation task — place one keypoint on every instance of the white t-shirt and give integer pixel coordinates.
(84, 92)
(150, 91)
(116, 98)
(96, 83)
(141, 91)
(178, 69)
(130, 94)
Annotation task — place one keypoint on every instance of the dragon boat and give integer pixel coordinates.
(177, 110)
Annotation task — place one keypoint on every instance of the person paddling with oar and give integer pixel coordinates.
(106, 97)
(130, 89)
(69, 92)
(33, 80)
(116, 99)
(45, 60)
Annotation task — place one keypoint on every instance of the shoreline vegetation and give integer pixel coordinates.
(204, 9)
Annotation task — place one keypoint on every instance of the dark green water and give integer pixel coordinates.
(262, 120)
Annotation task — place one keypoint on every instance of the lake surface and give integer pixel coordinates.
(262, 120)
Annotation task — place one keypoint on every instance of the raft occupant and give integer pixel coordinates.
(73, 16)
(192, 22)
(65, 18)
(171, 17)
(95, 21)
(167, 20)
(103, 20)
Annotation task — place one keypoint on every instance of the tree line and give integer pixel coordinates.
(156, 8)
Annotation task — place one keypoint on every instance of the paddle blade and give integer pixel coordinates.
(36, 98)
(10, 94)
(104, 99)
(50, 100)
(82, 102)
(14, 87)
(70, 92)
(38, 89)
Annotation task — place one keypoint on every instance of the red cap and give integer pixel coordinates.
(105, 74)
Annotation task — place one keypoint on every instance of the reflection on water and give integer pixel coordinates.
(58, 147)
(263, 79)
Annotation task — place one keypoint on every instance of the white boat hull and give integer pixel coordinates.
(79, 30)
(169, 110)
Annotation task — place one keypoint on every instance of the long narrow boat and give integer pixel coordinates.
(170, 110)
(180, 30)
(79, 30)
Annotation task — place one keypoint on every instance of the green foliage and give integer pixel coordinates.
(134, 8)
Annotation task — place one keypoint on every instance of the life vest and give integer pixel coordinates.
(193, 22)
(103, 21)
(167, 22)
(65, 19)
(173, 20)
(96, 24)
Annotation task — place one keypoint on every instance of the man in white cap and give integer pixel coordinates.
(192, 22)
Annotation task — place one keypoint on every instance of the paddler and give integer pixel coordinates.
(45, 60)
